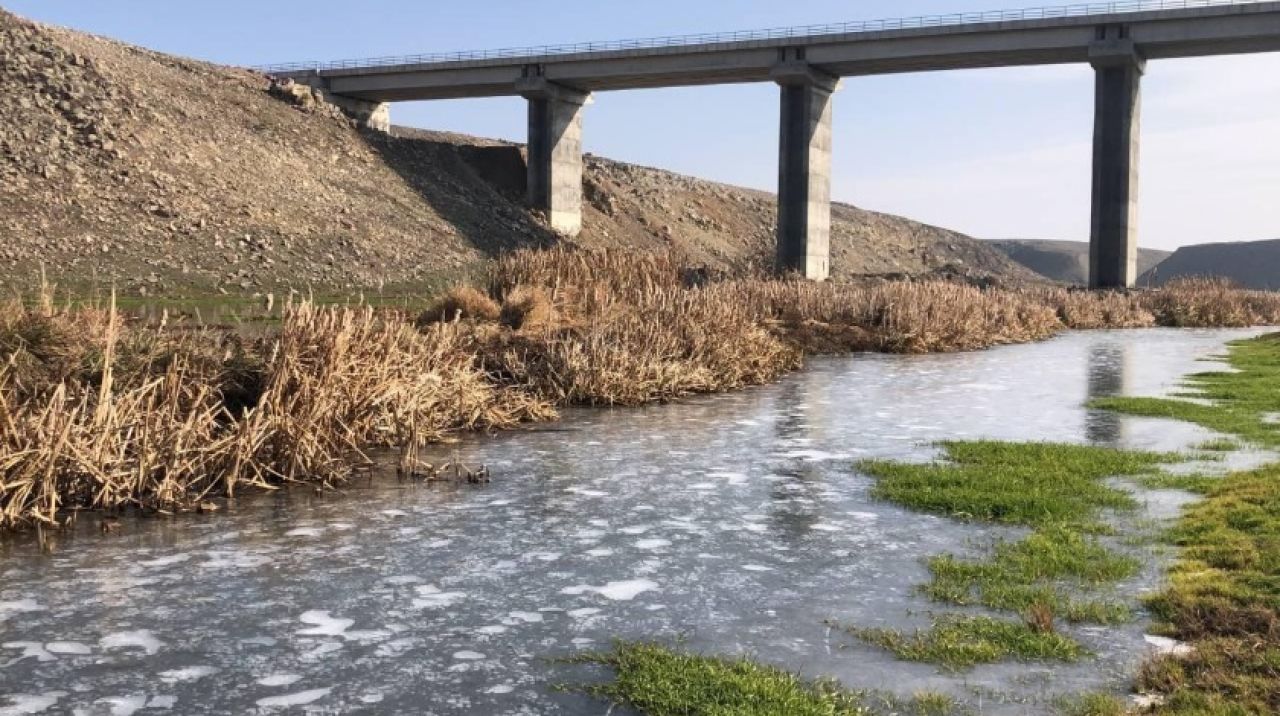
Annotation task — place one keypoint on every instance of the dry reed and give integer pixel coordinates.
(96, 413)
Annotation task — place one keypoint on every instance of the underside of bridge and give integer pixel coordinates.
(807, 71)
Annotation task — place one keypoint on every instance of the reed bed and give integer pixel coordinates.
(101, 413)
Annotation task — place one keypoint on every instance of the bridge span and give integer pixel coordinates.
(807, 63)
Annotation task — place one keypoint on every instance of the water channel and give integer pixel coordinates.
(731, 524)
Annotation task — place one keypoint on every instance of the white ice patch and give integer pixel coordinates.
(395, 513)
(300, 698)
(500, 689)
(141, 639)
(636, 530)
(582, 642)
(305, 532)
(163, 703)
(31, 703)
(522, 618)
(492, 630)
(72, 648)
(277, 680)
(166, 561)
(125, 705)
(235, 559)
(624, 591)
(30, 650)
(703, 487)
(826, 527)
(430, 597)
(733, 478)
(324, 649)
(403, 580)
(756, 568)
(1165, 646)
(20, 606)
(187, 674)
(864, 516)
(468, 656)
(324, 625)
(586, 493)
(600, 552)
(584, 613)
(652, 544)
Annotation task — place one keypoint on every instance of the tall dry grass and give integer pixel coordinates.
(149, 420)
(97, 413)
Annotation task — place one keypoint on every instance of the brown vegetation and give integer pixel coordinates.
(100, 413)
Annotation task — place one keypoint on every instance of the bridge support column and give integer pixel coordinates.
(555, 151)
(1113, 245)
(804, 170)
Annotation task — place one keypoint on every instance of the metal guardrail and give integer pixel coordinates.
(542, 52)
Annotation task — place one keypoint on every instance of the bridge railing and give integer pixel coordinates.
(542, 52)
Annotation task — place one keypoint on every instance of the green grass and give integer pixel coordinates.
(1240, 400)
(1047, 569)
(658, 681)
(1223, 597)
(957, 642)
(1015, 483)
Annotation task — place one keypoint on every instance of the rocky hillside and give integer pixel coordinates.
(1252, 264)
(1066, 261)
(159, 174)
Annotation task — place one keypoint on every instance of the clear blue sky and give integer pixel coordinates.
(994, 153)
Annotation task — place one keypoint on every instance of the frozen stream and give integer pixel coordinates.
(735, 523)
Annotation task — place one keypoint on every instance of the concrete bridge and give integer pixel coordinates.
(1117, 39)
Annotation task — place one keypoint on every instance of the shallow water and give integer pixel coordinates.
(734, 523)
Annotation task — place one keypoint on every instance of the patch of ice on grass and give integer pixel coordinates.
(1165, 646)
(652, 544)
(469, 656)
(522, 618)
(71, 648)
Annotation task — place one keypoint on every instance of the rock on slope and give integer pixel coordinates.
(1252, 264)
(158, 174)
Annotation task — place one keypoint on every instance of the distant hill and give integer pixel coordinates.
(1253, 264)
(1066, 261)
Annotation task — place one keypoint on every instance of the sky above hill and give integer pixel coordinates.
(993, 153)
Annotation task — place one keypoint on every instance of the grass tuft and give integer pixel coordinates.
(1015, 483)
(958, 642)
(658, 681)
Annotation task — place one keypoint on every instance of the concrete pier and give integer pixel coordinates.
(555, 151)
(1113, 246)
(804, 169)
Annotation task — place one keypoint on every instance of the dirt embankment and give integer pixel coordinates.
(160, 174)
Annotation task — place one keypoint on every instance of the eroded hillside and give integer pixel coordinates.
(159, 174)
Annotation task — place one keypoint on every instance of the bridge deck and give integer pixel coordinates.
(1163, 29)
